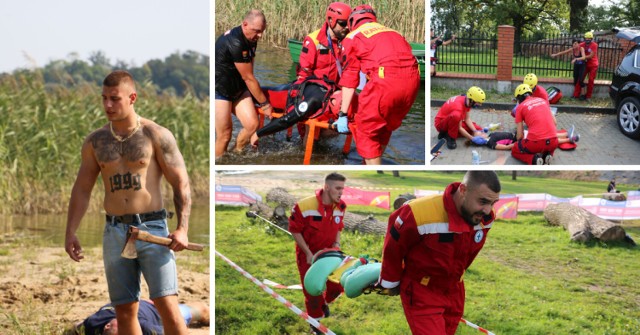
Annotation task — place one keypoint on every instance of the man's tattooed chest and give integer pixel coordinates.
(108, 149)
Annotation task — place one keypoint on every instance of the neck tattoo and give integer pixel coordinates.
(124, 139)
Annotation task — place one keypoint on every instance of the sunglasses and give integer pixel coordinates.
(342, 23)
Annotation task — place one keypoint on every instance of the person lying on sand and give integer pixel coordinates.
(104, 320)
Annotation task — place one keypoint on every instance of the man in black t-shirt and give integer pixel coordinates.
(235, 82)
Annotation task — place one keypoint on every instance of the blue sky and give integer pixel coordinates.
(132, 31)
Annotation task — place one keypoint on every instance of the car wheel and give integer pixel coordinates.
(629, 117)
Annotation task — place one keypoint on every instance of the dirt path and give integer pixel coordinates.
(296, 182)
(42, 291)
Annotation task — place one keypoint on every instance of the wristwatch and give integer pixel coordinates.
(341, 114)
(263, 104)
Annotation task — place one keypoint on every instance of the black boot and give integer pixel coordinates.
(451, 143)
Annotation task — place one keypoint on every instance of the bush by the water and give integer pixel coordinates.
(296, 19)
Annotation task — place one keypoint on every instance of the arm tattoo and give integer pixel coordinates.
(182, 202)
(170, 152)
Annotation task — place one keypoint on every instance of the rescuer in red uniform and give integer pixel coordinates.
(591, 55)
(319, 70)
(453, 119)
(322, 50)
(542, 139)
(316, 223)
(393, 79)
(536, 90)
(430, 242)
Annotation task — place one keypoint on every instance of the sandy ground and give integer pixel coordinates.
(42, 291)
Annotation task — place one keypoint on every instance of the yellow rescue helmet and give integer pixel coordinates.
(588, 35)
(531, 80)
(476, 94)
(522, 89)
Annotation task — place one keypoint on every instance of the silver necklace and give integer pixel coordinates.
(124, 139)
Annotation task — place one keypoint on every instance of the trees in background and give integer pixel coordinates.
(531, 18)
(178, 74)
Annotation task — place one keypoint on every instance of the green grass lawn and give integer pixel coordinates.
(467, 60)
(529, 278)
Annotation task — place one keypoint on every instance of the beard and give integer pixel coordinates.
(341, 35)
(469, 217)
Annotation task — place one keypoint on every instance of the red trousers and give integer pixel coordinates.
(525, 149)
(592, 71)
(382, 105)
(451, 123)
(434, 309)
(314, 304)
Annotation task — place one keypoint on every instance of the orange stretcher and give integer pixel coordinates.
(312, 134)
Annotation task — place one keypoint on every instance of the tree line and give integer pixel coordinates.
(178, 74)
(531, 18)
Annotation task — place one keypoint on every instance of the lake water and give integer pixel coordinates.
(49, 230)
(274, 67)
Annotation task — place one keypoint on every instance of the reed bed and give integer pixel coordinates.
(42, 128)
(296, 19)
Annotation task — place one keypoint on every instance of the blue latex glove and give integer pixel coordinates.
(342, 124)
(479, 140)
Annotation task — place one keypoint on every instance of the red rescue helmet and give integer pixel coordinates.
(337, 11)
(335, 102)
(360, 15)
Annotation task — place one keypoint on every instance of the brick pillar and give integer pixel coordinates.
(506, 36)
(625, 46)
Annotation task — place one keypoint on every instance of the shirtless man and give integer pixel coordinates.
(132, 154)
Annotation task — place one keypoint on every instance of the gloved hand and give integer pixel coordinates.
(513, 111)
(387, 291)
(342, 123)
(479, 140)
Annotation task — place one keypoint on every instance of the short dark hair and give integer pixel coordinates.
(334, 176)
(474, 179)
(118, 77)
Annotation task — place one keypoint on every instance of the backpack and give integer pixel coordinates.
(554, 94)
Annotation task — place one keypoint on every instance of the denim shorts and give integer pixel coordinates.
(235, 98)
(156, 262)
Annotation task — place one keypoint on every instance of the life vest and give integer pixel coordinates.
(325, 61)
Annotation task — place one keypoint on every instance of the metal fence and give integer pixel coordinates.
(466, 54)
(478, 55)
(534, 55)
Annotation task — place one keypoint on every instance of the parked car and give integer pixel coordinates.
(625, 85)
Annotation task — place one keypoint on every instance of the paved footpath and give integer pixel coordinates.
(601, 142)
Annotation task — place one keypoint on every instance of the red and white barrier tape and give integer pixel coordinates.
(278, 297)
(276, 285)
(475, 326)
